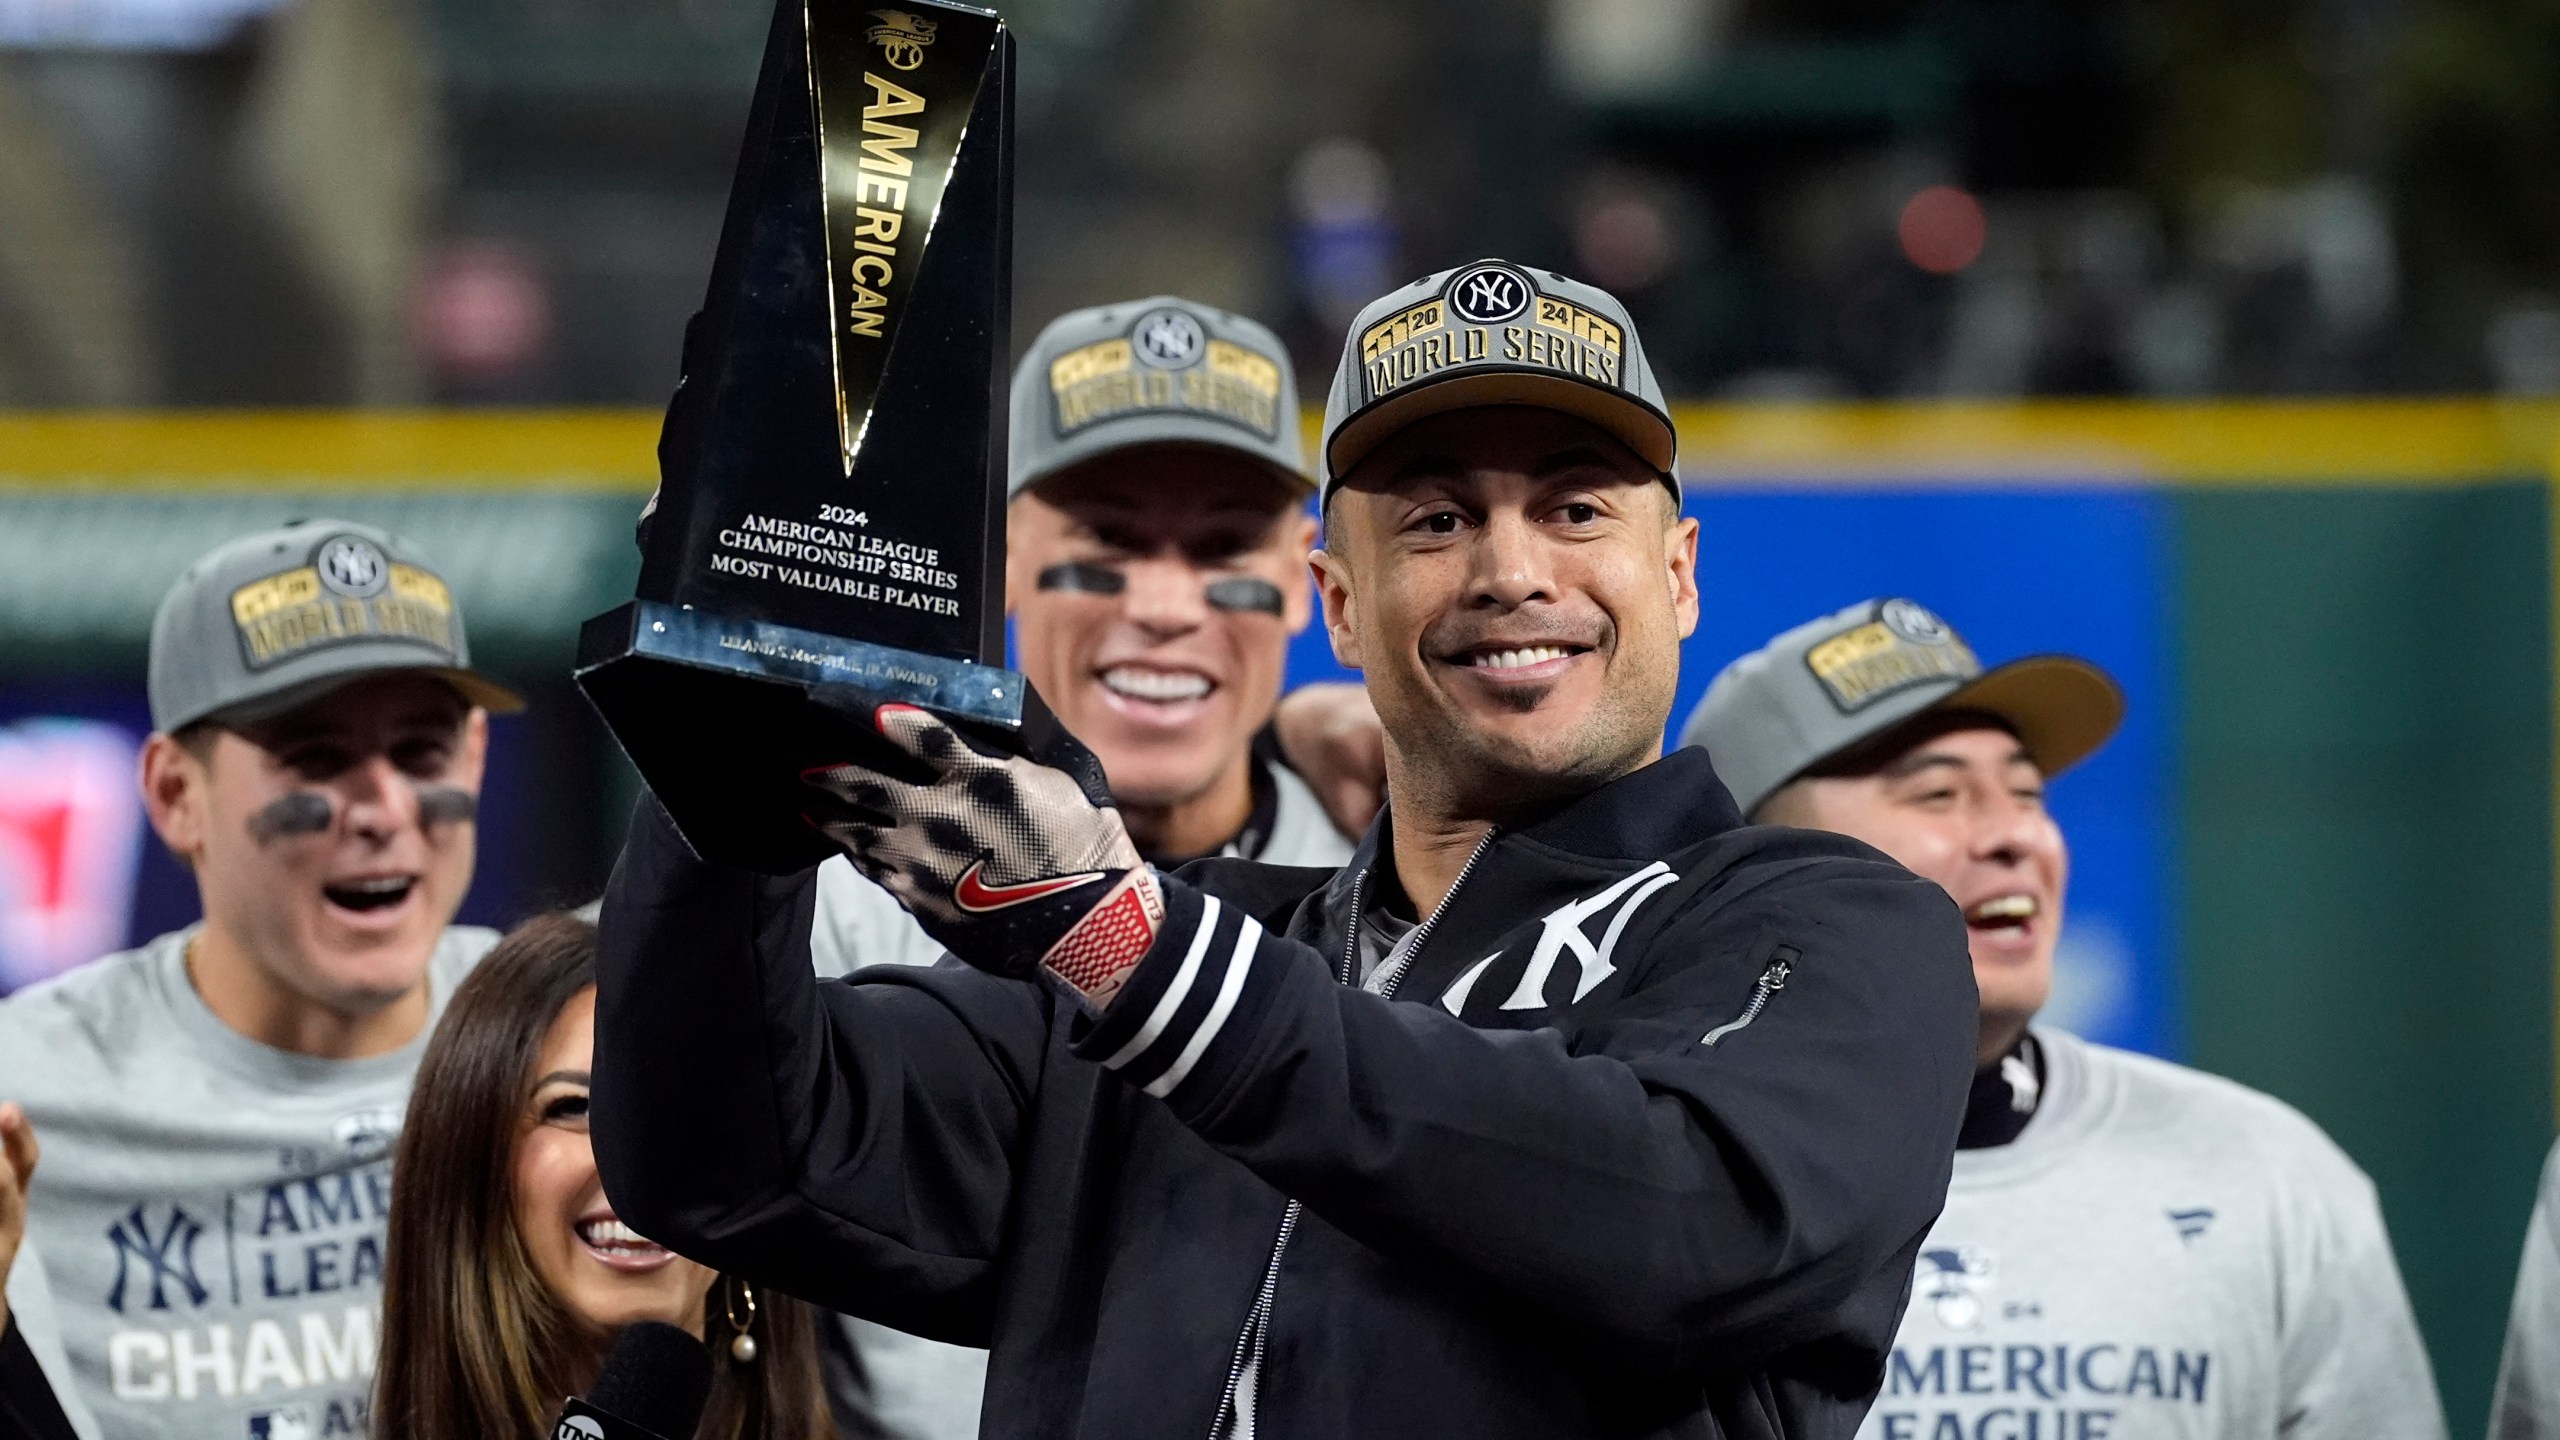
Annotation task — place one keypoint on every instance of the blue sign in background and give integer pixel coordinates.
(2018, 571)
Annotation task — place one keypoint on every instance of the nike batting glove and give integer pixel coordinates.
(1009, 863)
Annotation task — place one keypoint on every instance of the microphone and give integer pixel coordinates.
(655, 1381)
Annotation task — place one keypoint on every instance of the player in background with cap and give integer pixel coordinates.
(1496, 1131)
(1155, 568)
(218, 1106)
(1156, 548)
(2130, 1248)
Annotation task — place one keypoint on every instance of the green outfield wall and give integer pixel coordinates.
(2364, 883)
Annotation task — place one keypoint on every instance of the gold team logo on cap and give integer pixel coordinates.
(1904, 646)
(349, 592)
(901, 37)
(1166, 363)
(1490, 315)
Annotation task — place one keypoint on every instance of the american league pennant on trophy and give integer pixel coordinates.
(830, 506)
(892, 113)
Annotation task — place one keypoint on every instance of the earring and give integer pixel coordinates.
(742, 1345)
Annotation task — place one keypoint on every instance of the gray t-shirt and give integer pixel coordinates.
(2161, 1253)
(925, 1389)
(210, 1211)
(2526, 1404)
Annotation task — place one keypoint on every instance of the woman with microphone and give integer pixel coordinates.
(508, 1273)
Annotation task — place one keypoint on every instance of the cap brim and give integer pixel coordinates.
(2063, 709)
(1640, 427)
(474, 687)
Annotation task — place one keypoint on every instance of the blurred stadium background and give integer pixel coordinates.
(2218, 343)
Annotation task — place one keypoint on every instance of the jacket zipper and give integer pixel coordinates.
(1771, 981)
(1257, 1322)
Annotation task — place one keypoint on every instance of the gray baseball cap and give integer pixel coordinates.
(1493, 333)
(265, 622)
(1833, 683)
(1159, 371)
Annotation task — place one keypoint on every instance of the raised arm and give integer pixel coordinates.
(1687, 1205)
(36, 1399)
(852, 1141)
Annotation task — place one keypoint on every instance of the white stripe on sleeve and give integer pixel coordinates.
(1174, 995)
(1248, 940)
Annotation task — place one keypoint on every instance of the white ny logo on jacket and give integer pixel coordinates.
(1561, 931)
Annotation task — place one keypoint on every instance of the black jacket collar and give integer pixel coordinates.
(1642, 815)
(1645, 815)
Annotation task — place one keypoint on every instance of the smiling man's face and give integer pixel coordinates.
(1961, 803)
(1166, 687)
(1513, 585)
(333, 843)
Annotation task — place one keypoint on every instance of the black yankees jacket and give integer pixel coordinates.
(1642, 1144)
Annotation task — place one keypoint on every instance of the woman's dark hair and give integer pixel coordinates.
(472, 1342)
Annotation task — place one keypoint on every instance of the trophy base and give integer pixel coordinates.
(717, 713)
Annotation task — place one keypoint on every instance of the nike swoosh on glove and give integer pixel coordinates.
(1007, 862)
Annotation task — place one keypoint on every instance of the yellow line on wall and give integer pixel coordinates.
(452, 449)
(2257, 443)
(2254, 443)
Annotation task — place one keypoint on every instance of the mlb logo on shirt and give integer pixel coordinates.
(289, 1422)
(1952, 1281)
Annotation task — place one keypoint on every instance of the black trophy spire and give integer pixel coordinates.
(831, 496)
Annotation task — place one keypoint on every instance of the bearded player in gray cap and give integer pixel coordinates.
(218, 1106)
(1495, 1131)
(2130, 1249)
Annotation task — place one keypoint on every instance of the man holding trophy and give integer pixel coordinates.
(1568, 1106)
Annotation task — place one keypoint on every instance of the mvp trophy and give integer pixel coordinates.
(831, 496)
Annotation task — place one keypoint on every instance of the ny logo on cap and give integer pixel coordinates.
(1913, 622)
(352, 566)
(1488, 294)
(1169, 339)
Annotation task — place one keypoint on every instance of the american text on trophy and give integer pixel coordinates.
(831, 498)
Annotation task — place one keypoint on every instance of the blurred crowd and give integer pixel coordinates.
(392, 201)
